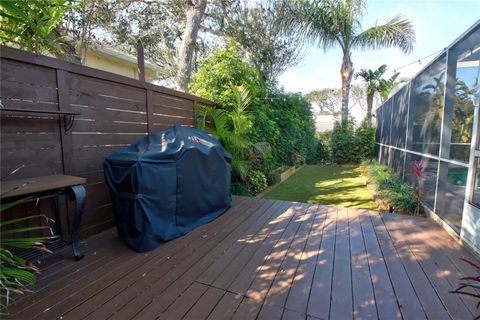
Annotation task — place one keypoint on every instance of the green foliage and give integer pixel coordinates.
(393, 190)
(30, 25)
(256, 182)
(324, 147)
(231, 128)
(349, 145)
(286, 123)
(283, 121)
(16, 273)
(220, 72)
(365, 140)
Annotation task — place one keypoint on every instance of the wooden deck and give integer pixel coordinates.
(263, 259)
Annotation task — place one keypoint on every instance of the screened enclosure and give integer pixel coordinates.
(433, 121)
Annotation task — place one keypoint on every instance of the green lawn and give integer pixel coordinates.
(331, 185)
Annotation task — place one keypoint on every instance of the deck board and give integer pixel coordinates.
(263, 259)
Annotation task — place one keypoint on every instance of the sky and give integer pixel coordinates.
(437, 23)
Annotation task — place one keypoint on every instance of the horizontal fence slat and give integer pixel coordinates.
(92, 112)
(20, 123)
(16, 90)
(89, 125)
(105, 139)
(14, 71)
(30, 105)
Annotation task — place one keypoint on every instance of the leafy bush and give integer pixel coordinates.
(282, 120)
(348, 145)
(393, 190)
(365, 140)
(256, 182)
(324, 147)
(286, 122)
(220, 72)
(30, 25)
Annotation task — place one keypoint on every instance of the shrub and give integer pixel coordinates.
(283, 120)
(220, 72)
(365, 140)
(348, 145)
(343, 143)
(393, 190)
(324, 147)
(256, 182)
(286, 122)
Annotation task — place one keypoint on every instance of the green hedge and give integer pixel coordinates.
(345, 144)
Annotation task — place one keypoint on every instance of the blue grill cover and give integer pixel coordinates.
(167, 184)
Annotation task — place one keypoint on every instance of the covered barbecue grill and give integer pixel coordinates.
(167, 184)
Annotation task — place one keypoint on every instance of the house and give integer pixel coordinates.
(112, 60)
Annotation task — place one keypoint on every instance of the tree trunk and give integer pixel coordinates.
(346, 73)
(194, 15)
(369, 109)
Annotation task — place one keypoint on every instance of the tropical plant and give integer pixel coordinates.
(16, 273)
(30, 25)
(470, 285)
(231, 128)
(337, 23)
(386, 86)
(417, 171)
(372, 80)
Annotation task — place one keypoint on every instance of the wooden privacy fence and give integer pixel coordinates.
(112, 111)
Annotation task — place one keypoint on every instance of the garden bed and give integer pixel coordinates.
(282, 173)
(390, 192)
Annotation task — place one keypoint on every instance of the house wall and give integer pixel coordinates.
(112, 64)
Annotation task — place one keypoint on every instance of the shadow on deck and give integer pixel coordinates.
(263, 259)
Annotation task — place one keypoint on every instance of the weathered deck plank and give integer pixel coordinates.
(264, 259)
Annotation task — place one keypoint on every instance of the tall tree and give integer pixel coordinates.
(328, 100)
(337, 23)
(372, 80)
(194, 11)
(259, 29)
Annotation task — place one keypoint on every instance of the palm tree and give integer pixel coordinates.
(372, 79)
(337, 23)
(386, 86)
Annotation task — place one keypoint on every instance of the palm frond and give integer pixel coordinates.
(397, 32)
(313, 22)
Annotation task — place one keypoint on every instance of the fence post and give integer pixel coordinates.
(63, 84)
(149, 110)
(140, 61)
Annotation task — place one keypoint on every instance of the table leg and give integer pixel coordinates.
(79, 195)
